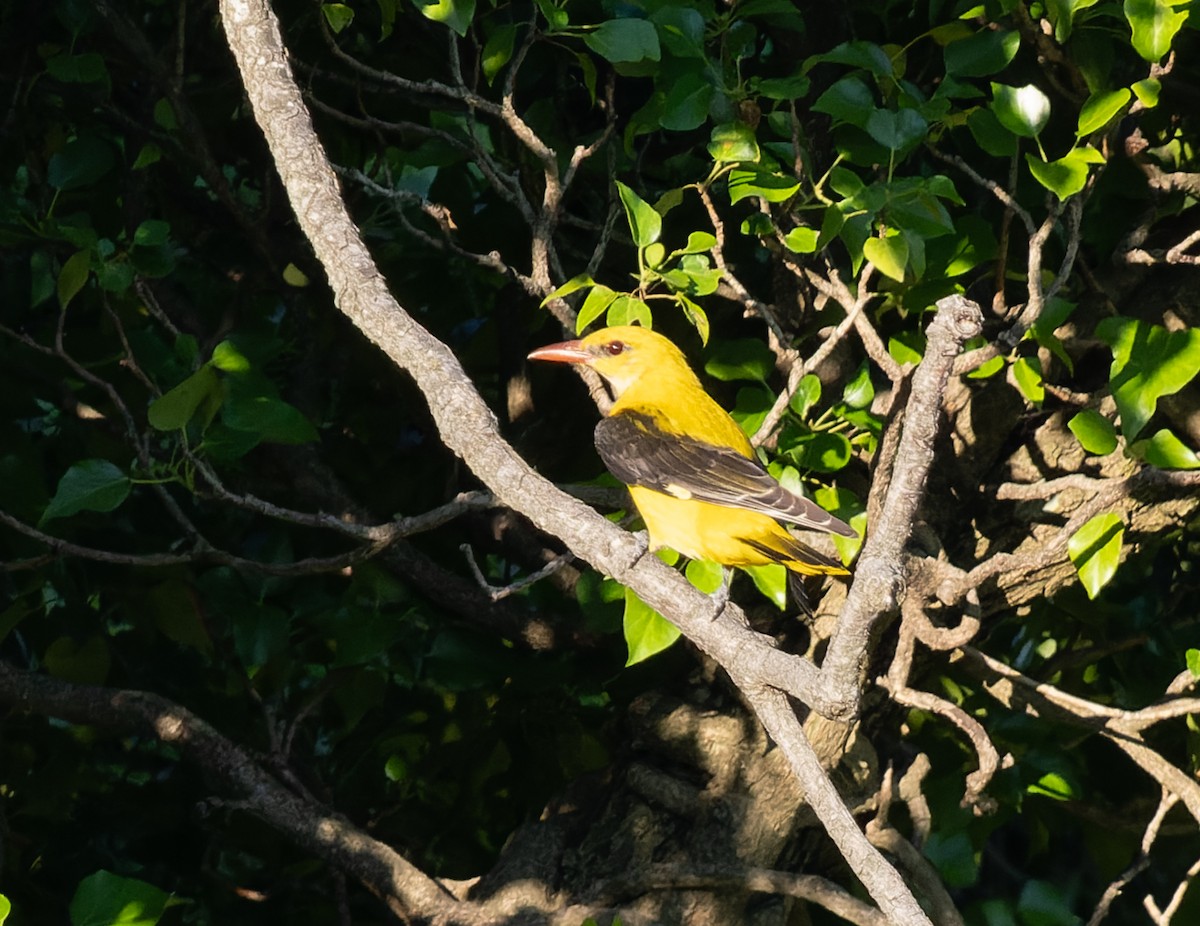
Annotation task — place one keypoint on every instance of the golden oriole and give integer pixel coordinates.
(690, 469)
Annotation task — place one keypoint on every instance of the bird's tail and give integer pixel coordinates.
(798, 557)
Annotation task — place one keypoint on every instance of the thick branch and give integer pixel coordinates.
(401, 885)
(879, 575)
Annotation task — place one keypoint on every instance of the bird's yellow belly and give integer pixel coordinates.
(700, 530)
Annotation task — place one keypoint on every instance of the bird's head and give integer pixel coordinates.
(622, 355)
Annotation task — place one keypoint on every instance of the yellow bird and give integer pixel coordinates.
(690, 469)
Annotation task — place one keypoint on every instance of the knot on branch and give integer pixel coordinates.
(958, 320)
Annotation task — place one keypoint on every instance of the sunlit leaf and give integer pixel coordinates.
(889, 255)
(106, 899)
(1149, 362)
(1023, 110)
(1094, 432)
(767, 185)
(645, 224)
(456, 14)
(1095, 549)
(572, 285)
(1155, 24)
(1027, 373)
(1166, 451)
(647, 632)
(174, 409)
(1100, 109)
(1066, 176)
(733, 142)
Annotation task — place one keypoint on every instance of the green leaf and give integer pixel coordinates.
(1095, 549)
(387, 17)
(897, 130)
(1149, 362)
(1193, 662)
(456, 14)
(629, 310)
(595, 305)
(807, 394)
(771, 581)
(733, 142)
(906, 347)
(1066, 176)
(1062, 14)
(954, 857)
(152, 233)
(1027, 372)
(990, 135)
(823, 451)
(695, 276)
(1055, 786)
(227, 358)
(782, 88)
(90, 485)
(1094, 432)
(625, 41)
(740, 359)
(859, 393)
(105, 899)
(5, 909)
(847, 506)
(1022, 110)
(698, 242)
(173, 410)
(704, 575)
(990, 368)
(647, 632)
(768, 186)
(73, 276)
(1044, 903)
(849, 100)
(1100, 109)
(685, 107)
(572, 285)
(556, 15)
(802, 240)
(889, 255)
(80, 163)
(644, 223)
(164, 115)
(497, 51)
(268, 418)
(88, 68)
(1147, 91)
(338, 15)
(1166, 451)
(865, 55)
(696, 316)
(681, 30)
(984, 53)
(1154, 24)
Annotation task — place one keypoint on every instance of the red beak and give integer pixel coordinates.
(565, 352)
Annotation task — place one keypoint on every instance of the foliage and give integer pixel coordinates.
(179, 404)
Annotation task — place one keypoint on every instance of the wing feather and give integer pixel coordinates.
(640, 453)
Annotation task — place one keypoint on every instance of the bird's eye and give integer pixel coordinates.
(615, 347)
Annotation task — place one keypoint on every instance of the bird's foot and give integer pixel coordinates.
(720, 598)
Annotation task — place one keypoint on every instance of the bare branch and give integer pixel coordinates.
(879, 575)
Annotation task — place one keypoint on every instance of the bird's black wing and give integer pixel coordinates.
(640, 453)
